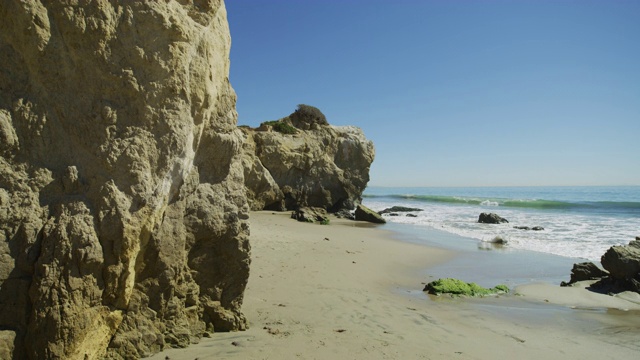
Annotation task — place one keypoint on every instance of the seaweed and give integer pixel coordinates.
(458, 287)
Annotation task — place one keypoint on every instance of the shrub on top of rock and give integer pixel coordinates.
(280, 126)
(306, 116)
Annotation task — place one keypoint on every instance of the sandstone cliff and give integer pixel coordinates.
(123, 219)
(301, 160)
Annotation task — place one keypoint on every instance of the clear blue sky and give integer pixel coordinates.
(454, 93)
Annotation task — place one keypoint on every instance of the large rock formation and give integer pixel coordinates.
(123, 219)
(622, 265)
(301, 160)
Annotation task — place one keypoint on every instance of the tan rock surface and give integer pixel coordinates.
(320, 166)
(123, 219)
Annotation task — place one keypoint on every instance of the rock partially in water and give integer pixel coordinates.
(397, 209)
(535, 228)
(491, 218)
(499, 240)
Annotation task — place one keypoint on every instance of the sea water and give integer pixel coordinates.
(578, 222)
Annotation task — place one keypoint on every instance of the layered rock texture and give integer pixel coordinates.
(123, 219)
(301, 160)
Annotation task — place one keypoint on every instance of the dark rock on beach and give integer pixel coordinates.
(623, 262)
(412, 215)
(498, 240)
(585, 271)
(363, 213)
(345, 214)
(491, 218)
(396, 209)
(311, 214)
(535, 228)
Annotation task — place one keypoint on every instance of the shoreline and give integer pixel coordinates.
(348, 290)
(483, 262)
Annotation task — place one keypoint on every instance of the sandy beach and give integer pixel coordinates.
(353, 291)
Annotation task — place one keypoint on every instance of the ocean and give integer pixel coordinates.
(579, 222)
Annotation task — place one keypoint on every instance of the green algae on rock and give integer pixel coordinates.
(458, 287)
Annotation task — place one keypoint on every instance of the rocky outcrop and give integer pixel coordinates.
(363, 213)
(301, 160)
(622, 265)
(122, 210)
(491, 218)
(584, 272)
(262, 190)
(623, 262)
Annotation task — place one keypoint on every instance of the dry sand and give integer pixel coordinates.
(350, 291)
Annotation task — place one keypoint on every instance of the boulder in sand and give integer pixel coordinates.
(623, 262)
(585, 271)
(363, 213)
(311, 215)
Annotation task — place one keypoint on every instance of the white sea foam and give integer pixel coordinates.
(566, 234)
(489, 203)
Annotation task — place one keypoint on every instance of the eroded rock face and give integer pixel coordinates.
(123, 219)
(319, 166)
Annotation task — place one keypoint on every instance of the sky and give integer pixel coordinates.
(454, 93)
